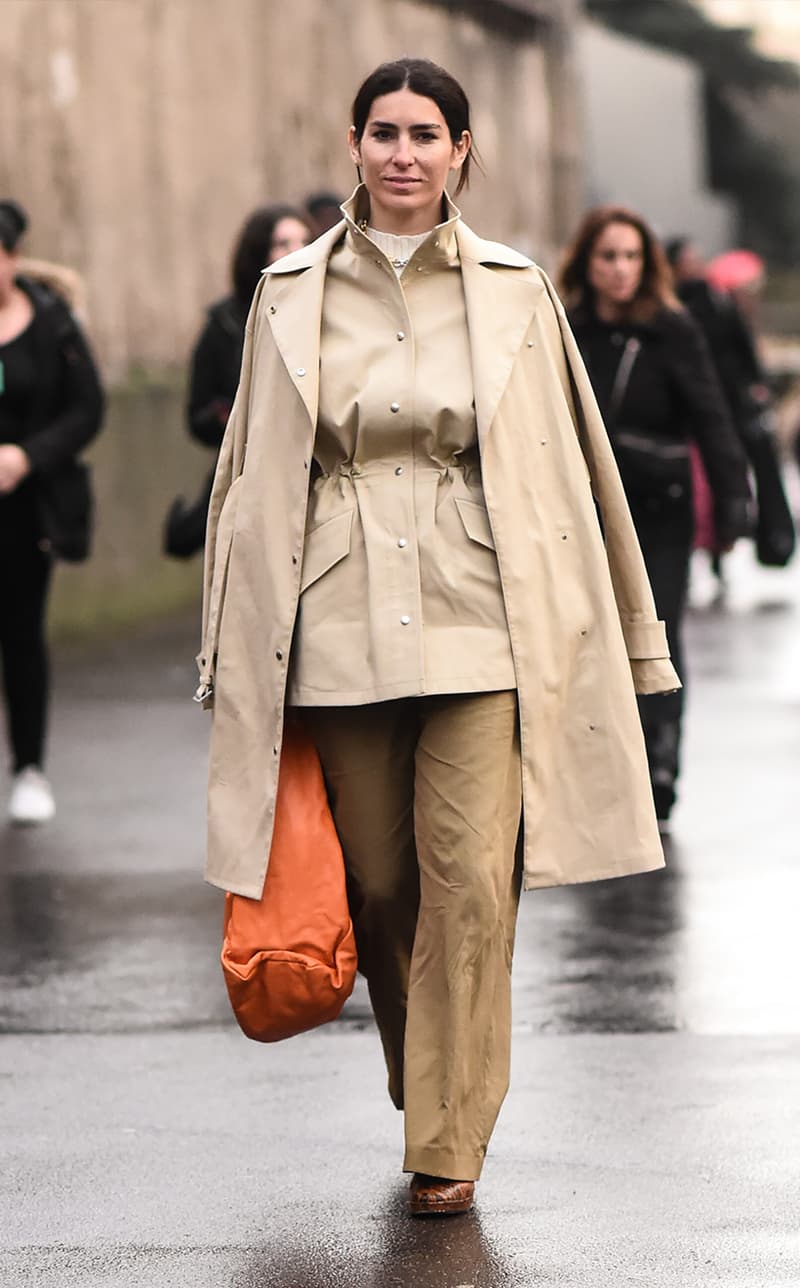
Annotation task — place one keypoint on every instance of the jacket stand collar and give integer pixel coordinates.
(500, 306)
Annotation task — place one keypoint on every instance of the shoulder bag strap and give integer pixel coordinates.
(621, 380)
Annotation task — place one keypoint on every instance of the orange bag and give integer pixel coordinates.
(289, 958)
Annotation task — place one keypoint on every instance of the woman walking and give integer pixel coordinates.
(656, 387)
(403, 546)
(266, 235)
(50, 407)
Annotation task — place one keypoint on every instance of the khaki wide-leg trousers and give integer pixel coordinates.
(426, 794)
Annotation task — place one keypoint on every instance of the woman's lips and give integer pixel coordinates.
(397, 182)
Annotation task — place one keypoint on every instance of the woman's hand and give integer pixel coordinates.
(14, 467)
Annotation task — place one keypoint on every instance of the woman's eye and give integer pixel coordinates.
(426, 136)
(380, 134)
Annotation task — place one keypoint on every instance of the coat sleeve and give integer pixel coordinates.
(645, 636)
(209, 402)
(80, 411)
(230, 464)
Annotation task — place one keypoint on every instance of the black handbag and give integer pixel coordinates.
(66, 510)
(775, 537)
(648, 467)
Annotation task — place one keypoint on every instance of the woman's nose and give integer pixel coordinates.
(403, 154)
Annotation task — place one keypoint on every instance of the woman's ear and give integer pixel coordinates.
(353, 145)
(460, 150)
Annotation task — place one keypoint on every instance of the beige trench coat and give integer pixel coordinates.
(580, 611)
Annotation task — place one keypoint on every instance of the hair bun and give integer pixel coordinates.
(13, 222)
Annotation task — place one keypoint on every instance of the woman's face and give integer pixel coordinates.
(289, 234)
(616, 264)
(406, 155)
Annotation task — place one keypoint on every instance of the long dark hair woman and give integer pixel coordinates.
(50, 407)
(404, 553)
(266, 235)
(657, 389)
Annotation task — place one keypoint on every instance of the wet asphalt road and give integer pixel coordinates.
(652, 1132)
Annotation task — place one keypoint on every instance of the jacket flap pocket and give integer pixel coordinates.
(325, 546)
(476, 522)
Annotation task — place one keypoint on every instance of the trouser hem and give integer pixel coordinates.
(441, 1162)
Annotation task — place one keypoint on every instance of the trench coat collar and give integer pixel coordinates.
(500, 307)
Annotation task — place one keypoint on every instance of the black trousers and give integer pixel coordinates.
(665, 527)
(24, 581)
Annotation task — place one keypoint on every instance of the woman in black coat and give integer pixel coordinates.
(266, 235)
(657, 389)
(51, 406)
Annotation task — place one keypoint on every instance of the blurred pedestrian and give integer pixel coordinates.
(50, 407)
(266, 235)
(746, 389)
(404, 549)
(324, 209)
(658, 392)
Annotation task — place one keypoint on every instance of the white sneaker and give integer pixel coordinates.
(31, 797)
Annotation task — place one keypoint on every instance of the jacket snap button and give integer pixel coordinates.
(401, 335)
(405, 619)
(279, 655)
(294, 559)
(272, 308)
(402, 543)
(274, 751)
(301, 371)
(394, 407)
(399, 470)
(530, 344)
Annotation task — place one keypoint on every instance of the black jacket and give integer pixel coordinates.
(731, 344)
(216, 362)
(67, 409)
(673, 396)
(53, 504)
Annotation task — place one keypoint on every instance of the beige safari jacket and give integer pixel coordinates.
(581, 619)
(400, 591)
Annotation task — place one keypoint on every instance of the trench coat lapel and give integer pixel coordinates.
(293, 304)
(501, 302)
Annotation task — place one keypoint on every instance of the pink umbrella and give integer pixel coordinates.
(735, 270)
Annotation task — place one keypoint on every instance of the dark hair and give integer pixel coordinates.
(253, 245)
(655, 289)
(674, 248)
(430, 81)
(322, 201)
(13, 222)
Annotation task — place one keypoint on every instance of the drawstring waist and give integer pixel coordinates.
(350, 471)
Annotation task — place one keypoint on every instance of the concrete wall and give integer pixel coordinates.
(139, 133)
(645, 139)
